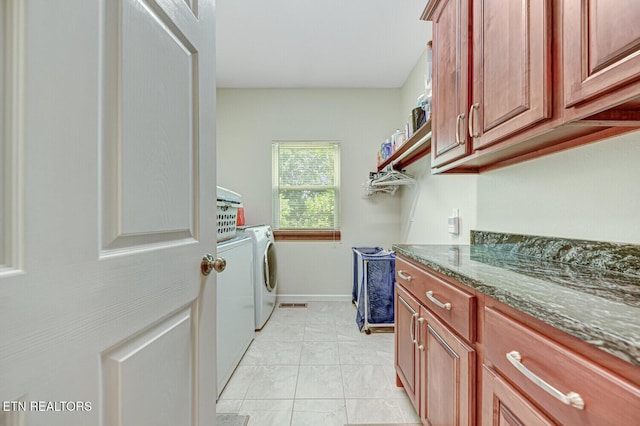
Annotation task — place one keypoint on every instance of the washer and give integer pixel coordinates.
(265, 277)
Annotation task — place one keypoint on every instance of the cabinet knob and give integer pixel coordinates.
(210, 263)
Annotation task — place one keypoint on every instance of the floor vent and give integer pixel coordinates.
(292, 305)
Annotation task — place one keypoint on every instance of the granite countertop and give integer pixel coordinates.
(581, 287)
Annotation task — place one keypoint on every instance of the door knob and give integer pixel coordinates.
(209, 262)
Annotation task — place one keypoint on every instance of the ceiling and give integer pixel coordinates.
(318, 43)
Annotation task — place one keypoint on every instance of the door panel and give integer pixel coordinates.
(450, 70)
(3, 137)
(112, 145)
(150, 148)
(601, 44)
(443, 403)
(11, 238)
(502, 405)
(133, 365)
(498, 72)
(448, 394)
(156, 140)
(406, 354)
(512, 79)
(609, 46)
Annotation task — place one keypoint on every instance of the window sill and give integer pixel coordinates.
(306, 235)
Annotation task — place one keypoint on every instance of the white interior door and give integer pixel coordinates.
(107, 205)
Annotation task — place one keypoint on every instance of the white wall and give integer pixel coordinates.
(591, 192)
(412, 88)
(249, 120)
(426, 205)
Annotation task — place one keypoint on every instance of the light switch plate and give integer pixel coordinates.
(454, 225)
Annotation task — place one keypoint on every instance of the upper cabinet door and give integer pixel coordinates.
(450, 79)
(601, 47)
(511, 66)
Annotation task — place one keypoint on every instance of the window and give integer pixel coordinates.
(306, 190)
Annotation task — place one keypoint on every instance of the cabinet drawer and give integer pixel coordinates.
(607, 398)
(455, 307)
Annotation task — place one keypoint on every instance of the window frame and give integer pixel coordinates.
(305, 234)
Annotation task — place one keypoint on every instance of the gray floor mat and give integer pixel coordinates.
(223, 419)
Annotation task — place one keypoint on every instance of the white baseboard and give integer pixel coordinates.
(301, 298)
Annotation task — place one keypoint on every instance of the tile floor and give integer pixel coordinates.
(311, 366)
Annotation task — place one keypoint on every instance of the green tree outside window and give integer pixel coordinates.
(306, 185)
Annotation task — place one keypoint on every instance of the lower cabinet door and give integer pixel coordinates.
(502, 405)
(406, 354)
(447, 395)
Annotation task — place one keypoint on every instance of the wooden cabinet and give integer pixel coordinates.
(510, 82)
(511, 68)
(503, 405)
(512, 370)
(451, 79)
(601, 49)
(406, 350)
(434, 364)
(455, 307)
(447, 364)
(518, 79)
(570, 388)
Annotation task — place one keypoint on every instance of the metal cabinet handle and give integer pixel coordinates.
(472, 115)
(572, 398)
(459, 141)
(459, 118)
(420, 321)
(414, 315)
(412, 331)
(438, 303)
(404, 275)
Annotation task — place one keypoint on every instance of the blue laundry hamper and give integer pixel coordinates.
(373, 290)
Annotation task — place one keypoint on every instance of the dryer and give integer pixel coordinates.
(265, 275)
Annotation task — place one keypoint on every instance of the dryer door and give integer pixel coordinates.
(270, 267)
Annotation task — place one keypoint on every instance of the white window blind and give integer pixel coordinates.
(306, 185)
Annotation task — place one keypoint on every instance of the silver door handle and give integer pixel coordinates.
(572, 398)
(404, 275)
(459, 141)
(210, 263)
(438, 303)
(420, 346)
(414, 315)
(412, 326)
(472, 114)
